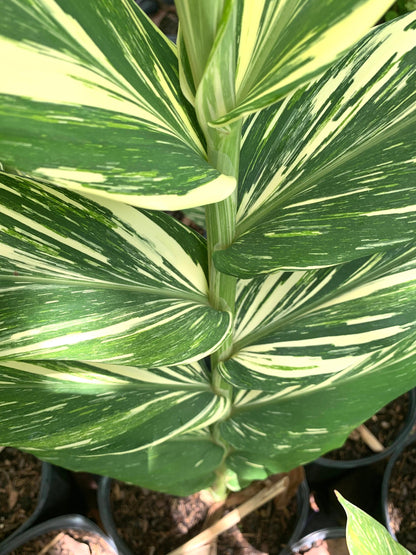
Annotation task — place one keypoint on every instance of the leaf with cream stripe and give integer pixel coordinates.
(273, 46)
(308, 347)
(113, 418)
(298, 329)
(90, 100)
(104, 282)
(333, 179)
(272, 432)
(366, 536)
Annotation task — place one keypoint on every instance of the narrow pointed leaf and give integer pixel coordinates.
(275, 46)
(103, 282)
(309, 348)
(90, 100)
(366, 536)
(112, 419)
(334, 177)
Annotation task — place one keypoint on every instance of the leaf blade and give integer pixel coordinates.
(336, 182)
(283, 45)
(108, 115)
(365, 534)
(301, 328)
(125, 422)
(309, 348)
(100, 281)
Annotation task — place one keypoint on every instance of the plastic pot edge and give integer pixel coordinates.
(386, 481)
(74, 521)
(321, 534)
(47, 500)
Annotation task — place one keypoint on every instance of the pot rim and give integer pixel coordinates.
(71, 521)
(104, 507)
(411, 439)
(321, 534)
(388, 451)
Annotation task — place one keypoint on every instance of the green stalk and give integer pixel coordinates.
(224, 154)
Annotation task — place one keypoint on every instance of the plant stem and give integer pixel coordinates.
(224, 154)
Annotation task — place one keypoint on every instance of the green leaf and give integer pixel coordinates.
(90, 100)
(309, 347)
(100, 282)
(328, 175)
(272, 433)
(130, 423)
(366, 536)
(273, 46)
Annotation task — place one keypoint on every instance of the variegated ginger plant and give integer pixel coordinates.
(295, 129)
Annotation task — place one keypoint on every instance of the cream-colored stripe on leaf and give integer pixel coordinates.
(365, 535)
(284, 44)
(319, 326)
(304, 422)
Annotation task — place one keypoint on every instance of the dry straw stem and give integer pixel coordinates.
(233, 517)
(370, 439)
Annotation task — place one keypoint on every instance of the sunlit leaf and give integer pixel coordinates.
(90, 100)
(254, 53)
(131, 423)
(309, 346)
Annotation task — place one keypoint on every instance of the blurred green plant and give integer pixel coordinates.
(399, 8)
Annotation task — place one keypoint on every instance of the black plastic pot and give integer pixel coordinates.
(148, 6)
(308, 541)
(67, 522)
(323, 469)
(55, 498)
(106, 515)
(303, 513)
(385, 488)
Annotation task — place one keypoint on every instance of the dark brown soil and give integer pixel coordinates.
(385, 425)
(402, 498)
(326, 547)
(179, 215)
(266, 530)
(153, 523)
(166, 19)
(20, 475)
(66, 542)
